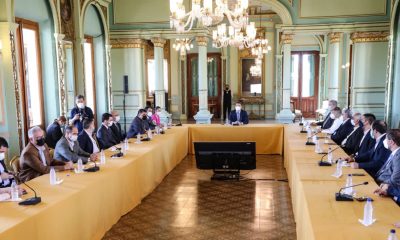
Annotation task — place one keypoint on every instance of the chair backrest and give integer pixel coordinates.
(51, 151)
(15, 164)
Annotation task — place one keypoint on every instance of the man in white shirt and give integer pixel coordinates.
(336, 114)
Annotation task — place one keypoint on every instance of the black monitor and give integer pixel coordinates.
(225, 155)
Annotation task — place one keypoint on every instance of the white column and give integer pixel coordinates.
(333, 65)
(109, 76)
(203, 115)
(159, 73)
(322, 79)
(62, 90)
(286, 115)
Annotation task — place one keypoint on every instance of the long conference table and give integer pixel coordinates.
(87, 205)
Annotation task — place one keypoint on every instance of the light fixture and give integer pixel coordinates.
(261, 46)
(182, 45)
(183, 21)
(224, 36)
(256, 70)
(210, 59)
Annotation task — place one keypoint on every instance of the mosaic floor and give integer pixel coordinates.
(188, 205)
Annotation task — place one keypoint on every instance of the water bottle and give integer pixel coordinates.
(138, 140)
(330, 155)
(14, 191)
(326, 138)
(368, 212)
(150, 134)
(338, 171)
(157, 130)
(126, 144)
(317, 146)
(53, 177)
(349, 182)
(392, 235)
(80, 166)
(302, 120)
(309, 133)
(102, 158)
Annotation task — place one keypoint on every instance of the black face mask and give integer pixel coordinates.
(227, 88)
(144, 117)
(40, 142)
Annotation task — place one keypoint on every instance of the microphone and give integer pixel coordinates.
(30, 201)
(95, 168)
(308, 143)
(324, 163)
(345, 197)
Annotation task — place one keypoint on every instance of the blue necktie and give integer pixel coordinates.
(238, 116)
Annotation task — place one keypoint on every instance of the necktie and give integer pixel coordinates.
(238, 116)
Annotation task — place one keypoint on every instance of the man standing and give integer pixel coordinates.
(227, 101)
(80, 112)
(54, 131)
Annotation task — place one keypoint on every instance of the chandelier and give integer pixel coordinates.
(183, 21)
(223, 36)
(260, 48)
(182, 45)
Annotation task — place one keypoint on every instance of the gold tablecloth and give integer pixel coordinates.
(268, 137)
(317, 214)
(86, 205)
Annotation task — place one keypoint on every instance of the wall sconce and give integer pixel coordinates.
(347, 65)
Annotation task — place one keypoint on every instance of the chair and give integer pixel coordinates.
(51, 152)
(297, 113)
(15, 164)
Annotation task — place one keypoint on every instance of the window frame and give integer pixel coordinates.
(89, 40)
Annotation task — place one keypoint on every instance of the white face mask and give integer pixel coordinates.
(372, 133)
(2, 156)
(110, 124)
(385, 144)
(238, 108)
(149, 114)
(341, 117)
(73, 138)
(332, 116)
(352, 122)
(81, 105)
(117, 118)
(330, 108)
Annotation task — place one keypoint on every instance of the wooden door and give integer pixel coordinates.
(214, 84)
(304, 82)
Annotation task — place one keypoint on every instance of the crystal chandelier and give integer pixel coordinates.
(256, 70)
(223, 36)
(260, 48)
(182, 45)
(183, 21)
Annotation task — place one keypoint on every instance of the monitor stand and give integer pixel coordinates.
(226, 174)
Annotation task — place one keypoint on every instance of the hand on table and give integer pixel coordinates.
(5, 176)
(68, 166)
(354, 165)
(348, 159)
(93, 157)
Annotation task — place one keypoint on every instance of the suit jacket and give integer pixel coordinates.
(2, 183)
(327, 122)
(32, 166)
(394, 191)
(53, 134)
(137, 126)
(390, 171)
(341, 133)
(366, 145)
(148, 124)
(86, 143)
(84, 113)
(105, 137)
(63, 152)
(243, 117)
(374, 159)
(117, 131)
(353, 141)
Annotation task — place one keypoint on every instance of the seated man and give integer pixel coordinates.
(328, 121)
(390, 172)
(345, 128)
(238, 116)
(5, 176)
(105, 137)
(116, 127)
(137, 125)
(336, 114)
(149, 124)
(54, 131)
(68, 149)
(372, 160)
(35, 158)
(86, 138)
(367, 142)
(353, 139)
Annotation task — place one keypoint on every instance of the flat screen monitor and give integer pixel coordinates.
(225, 155)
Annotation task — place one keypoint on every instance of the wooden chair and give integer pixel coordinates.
(15, 164)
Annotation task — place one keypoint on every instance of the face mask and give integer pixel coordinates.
(385, 143)
(110, 124)
(352, 122)
(73, 138)
(330, 108)
(144, 117)
(81, 105)
(40, 142)
(332, 116)
(372, 134)
(149, 114)
(117, 118)
(2, 156)
(159, 112)
(238, 108)
(341, 117)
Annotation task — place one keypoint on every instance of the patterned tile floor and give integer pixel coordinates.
(188, 205)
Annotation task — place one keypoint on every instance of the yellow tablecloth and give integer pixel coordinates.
(86, 205)
(268, 137)
(317, 214)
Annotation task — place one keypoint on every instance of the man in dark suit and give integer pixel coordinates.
(116, 127)
(80, 112)
(345, 128)
(227, 101)
(105, 137)
(367, 142)
(238, 116)
(137, 125)
(149, 124)
(35, 158)
(54, 131)
(352, 140)
(372, 160)
(86, 138)
(328, 120)
(5, 176)
(68, 149)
